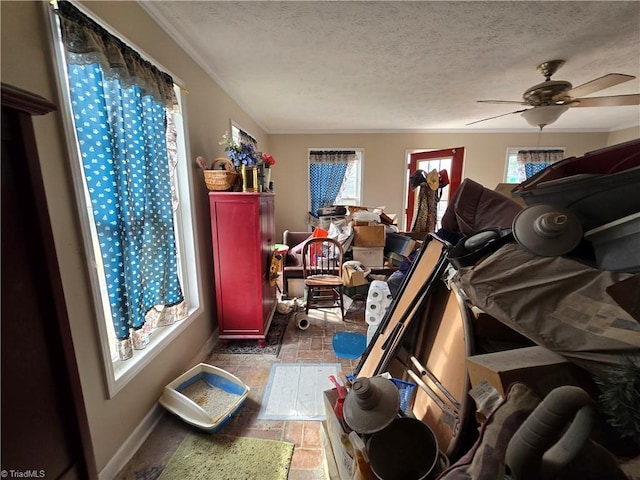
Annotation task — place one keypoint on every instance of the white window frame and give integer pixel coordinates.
(120, 373)
(512, 155)
(235, 131)
(357, 170)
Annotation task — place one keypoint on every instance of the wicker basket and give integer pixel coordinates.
(223, 177)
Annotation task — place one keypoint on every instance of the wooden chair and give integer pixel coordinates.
(322, 272)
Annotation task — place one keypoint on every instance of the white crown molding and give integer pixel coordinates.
(168, 27)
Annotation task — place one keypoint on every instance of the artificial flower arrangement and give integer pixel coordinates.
(253, 166)
(239, 153)
(268, 160)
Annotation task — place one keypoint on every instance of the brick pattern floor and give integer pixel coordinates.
(313, 345)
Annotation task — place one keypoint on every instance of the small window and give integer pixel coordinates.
(239, 135)
(350, 194)
(335, 178)
(514, 172)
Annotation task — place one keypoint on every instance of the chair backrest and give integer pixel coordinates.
(322, 255)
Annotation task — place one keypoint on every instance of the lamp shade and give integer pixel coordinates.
(545, 115)
(547, 230)
(371, 404)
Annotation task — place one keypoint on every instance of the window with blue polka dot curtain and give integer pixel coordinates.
(120, 108)
(534, 161)
(326, 175)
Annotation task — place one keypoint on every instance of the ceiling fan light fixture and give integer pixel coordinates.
(543, 116)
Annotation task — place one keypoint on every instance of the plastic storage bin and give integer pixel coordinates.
(399, 244)
(205, 396)
(617, 244)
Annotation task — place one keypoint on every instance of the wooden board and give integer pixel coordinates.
(447, 343)
(401, 311)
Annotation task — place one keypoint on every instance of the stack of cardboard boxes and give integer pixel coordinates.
(369, 236)
(368, 245)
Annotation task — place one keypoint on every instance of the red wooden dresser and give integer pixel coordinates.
(243, 238)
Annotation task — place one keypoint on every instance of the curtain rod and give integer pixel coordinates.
(92, 16)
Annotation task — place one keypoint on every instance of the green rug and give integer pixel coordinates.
(201, 456)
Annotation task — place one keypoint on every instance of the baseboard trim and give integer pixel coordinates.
(132, 444)
(146, 426)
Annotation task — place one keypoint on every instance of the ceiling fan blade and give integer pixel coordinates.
(497, 116)
(613, 101)
(596, 85)
(516, 102)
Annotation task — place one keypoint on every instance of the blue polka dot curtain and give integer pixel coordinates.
(120, 107)
(327, 170)
(531, 162)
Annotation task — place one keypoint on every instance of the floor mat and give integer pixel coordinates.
(201, 456)
(294, 391)
(272, 343)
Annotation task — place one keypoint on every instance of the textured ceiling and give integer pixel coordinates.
(406, 66)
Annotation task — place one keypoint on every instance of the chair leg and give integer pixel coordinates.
(285, 285)
(308, 299)
(341, 300)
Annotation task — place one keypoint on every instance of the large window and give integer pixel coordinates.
(127, 139)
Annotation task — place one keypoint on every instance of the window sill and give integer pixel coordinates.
(122, 372)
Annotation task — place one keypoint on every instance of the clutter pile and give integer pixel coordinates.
(378, 301)
(548, 284)
(373, 246)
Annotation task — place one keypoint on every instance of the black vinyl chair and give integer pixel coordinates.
(322, 272)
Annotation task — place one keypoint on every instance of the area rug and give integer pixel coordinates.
(272, 343)
(201, 456)
(295, 391)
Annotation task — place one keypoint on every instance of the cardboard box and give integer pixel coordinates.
(339, 438)
(369, 256)
(369, 236)
(353, 278)
(394, 259)
(505, 189)
(295, 287)
(388, 219)
(541, 369)
(330, 466)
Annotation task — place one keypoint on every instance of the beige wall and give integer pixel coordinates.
(625, 135)
(385, 157)
(26, 64)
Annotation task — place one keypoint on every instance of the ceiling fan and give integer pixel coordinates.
(552, 98)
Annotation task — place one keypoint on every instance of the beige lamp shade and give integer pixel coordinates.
(545, 115)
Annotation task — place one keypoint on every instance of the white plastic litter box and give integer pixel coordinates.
(205, 396)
